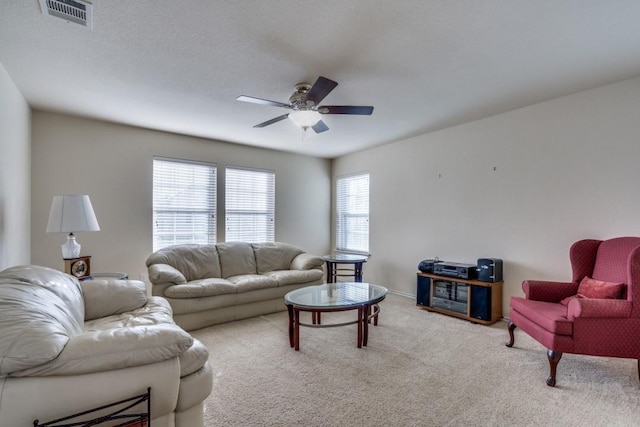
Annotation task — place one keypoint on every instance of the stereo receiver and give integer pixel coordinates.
(454, 269)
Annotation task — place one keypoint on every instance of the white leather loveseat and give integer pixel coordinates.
(210, 284)
(68, 346)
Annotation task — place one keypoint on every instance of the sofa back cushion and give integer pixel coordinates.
(274, 256)
(41, 309)
(236, 258)
(108, 297)
(612, 260)
(194, 261)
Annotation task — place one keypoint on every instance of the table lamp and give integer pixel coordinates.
(71, 213)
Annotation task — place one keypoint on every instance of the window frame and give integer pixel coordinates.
(344, 237)
(194, 214)
(248, 217)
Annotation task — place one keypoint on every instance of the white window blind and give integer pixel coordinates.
(250, 205)
(184, 202)
(352, 200)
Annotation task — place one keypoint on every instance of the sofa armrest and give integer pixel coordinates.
(119, 348)
(106, 297)
(598, 308)
(306, 261)
(164, 273)
(541, 290)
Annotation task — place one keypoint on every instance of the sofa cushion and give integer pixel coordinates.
(62, 285)
(551, 316)
(293, 277)
(106, 297)
(201, 288)
(41, 311)
(156, 311)
(612, 260)
(192, 260)
(236, 258)
(274, 256)
(252, 282)
(182, 306)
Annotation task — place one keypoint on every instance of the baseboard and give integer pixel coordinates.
(403, 294)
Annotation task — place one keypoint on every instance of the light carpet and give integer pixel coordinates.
(419, 369)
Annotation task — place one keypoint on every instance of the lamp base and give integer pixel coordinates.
(71, 249)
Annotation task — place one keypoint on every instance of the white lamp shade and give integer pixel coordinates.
(305, 118)
(71, 213)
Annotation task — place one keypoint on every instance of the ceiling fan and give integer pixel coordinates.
(305, 102)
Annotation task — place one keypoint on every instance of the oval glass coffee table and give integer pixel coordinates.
(343, 296)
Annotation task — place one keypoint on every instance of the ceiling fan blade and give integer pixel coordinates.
(261, 101)
(272, 121)
(320, 127)
(346, 109)
(320, 89)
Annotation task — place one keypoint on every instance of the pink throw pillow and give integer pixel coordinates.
(591, 288)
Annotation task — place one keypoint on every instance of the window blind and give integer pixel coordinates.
(249, 205)
(352, 221)
(184, 202)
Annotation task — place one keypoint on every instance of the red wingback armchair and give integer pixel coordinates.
(591, 326)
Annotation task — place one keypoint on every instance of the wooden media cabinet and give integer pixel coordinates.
(473, 300)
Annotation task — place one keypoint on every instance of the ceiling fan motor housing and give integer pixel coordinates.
(299, 99)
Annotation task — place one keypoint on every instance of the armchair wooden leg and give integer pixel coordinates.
(512, 326)
(554, 358)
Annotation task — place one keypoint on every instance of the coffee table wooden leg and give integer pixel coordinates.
(365, 324)
(296, 328)
(290, 310)
(361, 312)
(376, 308)
(315, 317)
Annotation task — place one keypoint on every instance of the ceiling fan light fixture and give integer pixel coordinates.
(305, 118)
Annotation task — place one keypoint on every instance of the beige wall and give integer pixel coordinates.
(15, 170)
(521, 186)
(114, 165)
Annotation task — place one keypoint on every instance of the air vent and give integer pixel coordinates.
(76, 11)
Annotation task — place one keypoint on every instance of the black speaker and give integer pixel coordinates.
(480, 303)
(424, 291)
(489, 270)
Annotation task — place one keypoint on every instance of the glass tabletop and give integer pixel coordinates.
(345, 258)
(334, 295)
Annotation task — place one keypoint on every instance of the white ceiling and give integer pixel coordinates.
(178, 66)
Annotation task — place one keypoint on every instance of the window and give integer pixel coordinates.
(250, 205)
(352, 202)
(184, 202)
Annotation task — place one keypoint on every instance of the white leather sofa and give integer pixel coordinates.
(68, 346)
(216, 283)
